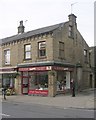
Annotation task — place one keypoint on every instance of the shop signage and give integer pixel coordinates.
(23, 69)
(45, 68)
(38, 92)
(8, 70)
(36, 68)
(60, 68)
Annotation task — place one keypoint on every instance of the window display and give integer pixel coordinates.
(8, 81)
(38, 81)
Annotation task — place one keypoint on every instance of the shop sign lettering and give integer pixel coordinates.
(45, 68)
(23, 69)
(59, 68)
(38, 92)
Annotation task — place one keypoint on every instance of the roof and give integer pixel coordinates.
(31, 33)
(46, 63)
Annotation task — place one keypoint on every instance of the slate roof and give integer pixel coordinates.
(31, 33)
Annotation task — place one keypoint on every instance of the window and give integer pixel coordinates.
(8, 80)
(27, 51)
(85, 52)
(7, 56)
(70, 31)
(61, 49)
(42, 49)
(38, 80)
(85, 55)
(90, 58)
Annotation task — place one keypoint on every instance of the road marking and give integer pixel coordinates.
(85, 109)
(4, 115)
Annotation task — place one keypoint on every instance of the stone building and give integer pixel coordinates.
(92, 53)
(43, 61)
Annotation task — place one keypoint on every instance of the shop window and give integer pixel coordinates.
(38, 81)
(63, 81)
(7, 56)
(61, 49)
(27, 51)
(42, 49)
(8, 80)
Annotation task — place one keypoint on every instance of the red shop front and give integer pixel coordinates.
(34, 80)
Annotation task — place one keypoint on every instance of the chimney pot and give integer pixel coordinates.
(21, 27)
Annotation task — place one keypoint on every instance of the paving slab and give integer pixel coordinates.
(81, 100)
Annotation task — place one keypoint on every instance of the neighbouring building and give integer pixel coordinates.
(92, 56)
(44, 60)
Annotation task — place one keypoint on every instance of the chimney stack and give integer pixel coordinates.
(72, 19)
(21, 28)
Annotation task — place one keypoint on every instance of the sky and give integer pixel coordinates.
(41, 13)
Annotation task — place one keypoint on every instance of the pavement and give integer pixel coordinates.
(83, 100)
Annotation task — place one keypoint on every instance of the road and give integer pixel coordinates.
(26, 110)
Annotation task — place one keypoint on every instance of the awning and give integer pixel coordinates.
(8, 70)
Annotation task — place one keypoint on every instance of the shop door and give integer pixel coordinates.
(25, 84)
(91, 80)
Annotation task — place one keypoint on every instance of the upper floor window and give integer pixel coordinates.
(70, 31)
(85, 56)
(27, 51)
(61, 49)
(85, 52)
(7, 56)
(42, 48)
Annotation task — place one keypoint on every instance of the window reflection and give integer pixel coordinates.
(38, 80)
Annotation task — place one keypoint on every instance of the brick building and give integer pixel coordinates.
(46, 59)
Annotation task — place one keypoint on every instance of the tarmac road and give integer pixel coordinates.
(27, 110)
(63, 106)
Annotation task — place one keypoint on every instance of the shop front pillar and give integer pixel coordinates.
(52, 78)
(79, 78)
(17, 85)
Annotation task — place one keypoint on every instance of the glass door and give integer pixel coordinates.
(25, 83)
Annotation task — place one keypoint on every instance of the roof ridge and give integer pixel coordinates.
(31, 33)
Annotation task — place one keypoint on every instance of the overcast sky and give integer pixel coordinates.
(41, 13)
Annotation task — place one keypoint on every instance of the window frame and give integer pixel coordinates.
(85, 55)
(61, 50)
(70, 31)
(27, 51)
(85, 52)
(43, 50)
(7, 57)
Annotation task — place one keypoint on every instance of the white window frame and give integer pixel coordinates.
(27, 51)
(7, 56)
(42, 47)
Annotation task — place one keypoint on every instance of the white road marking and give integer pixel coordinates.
(79, 109)
(4, 115)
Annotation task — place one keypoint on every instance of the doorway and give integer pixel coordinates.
(91, 80)
(25, 83)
